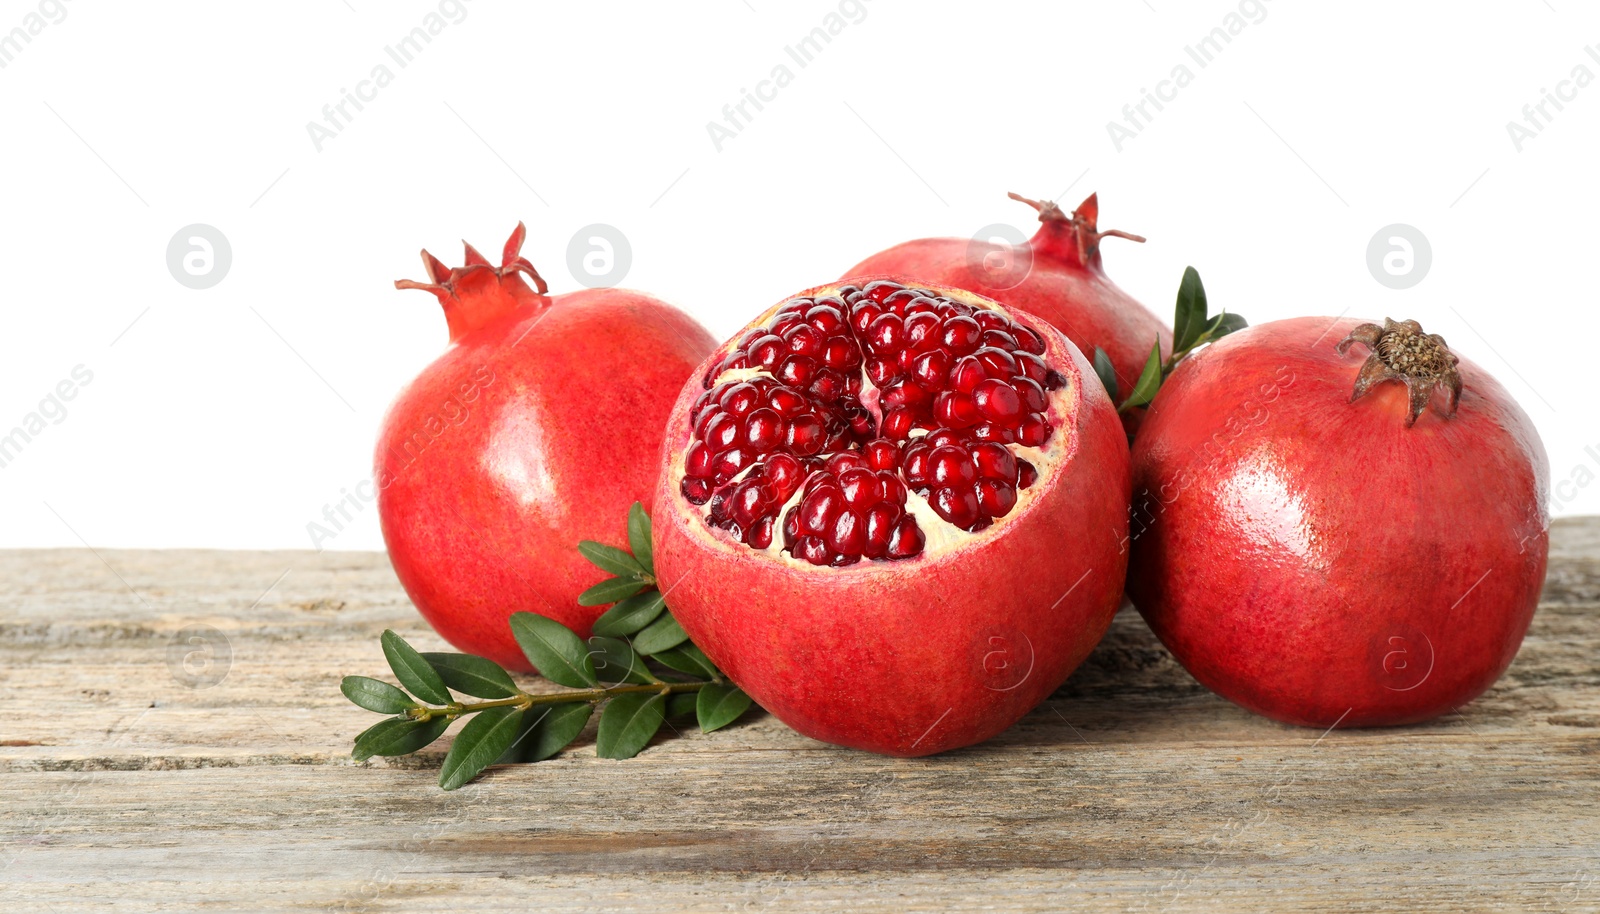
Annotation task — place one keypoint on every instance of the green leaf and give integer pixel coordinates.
(659, 635)
(609, 591)
(686, 658)
(485, 738)
(472, 675)
(615, 661)
(682, 704)
(1227, 322)
(556, 726)
(1149, 381)
(1189, 318)
(628, 723)
(639, 537)
(398, 736)
(558, 654)
(630, 615)
(720, 705)
(375, 695)
(1107, 373)
(610, 558)
(413, 672)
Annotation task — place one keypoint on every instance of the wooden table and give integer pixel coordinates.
(132, 781)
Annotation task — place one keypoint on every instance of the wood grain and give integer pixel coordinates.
(130, 782)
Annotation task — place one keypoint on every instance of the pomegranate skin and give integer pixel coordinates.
(921, 655)
(1311, 558)
(1065, 284)
(536, 429)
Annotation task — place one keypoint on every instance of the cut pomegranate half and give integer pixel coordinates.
(864, 422)
(895, 514)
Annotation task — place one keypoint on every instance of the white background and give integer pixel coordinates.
(229, 417)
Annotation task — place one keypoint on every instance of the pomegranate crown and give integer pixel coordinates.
(1072, 237)
(478, 291)
(1400, 351)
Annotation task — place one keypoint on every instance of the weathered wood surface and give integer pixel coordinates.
(1131, 789)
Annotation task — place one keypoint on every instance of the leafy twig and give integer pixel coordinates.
(610, 671)
(1192, 326)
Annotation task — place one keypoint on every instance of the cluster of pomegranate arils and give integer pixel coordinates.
(857, 398)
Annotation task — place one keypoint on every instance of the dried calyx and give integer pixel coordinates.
(478, 291)
(1400, 351)
(1080, 225)
(844, 425)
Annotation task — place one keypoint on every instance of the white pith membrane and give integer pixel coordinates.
(940, 536)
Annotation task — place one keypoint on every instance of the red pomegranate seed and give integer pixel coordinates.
(813, 550)
(882, 372)
(787, 402)
(995, 498)
(886, 335)
(797, 370)
(697, 462)
(805, 434)
(892, 489)
(763, 429)
(956, 410)
(759, 535)
(728, 464)
(922, 329)
(997, 363)
(993, 461)
(966, 374)
(826, 316)
(916, 464)
(844, 460)
(847, 535)
(1031, 365)
(958, 506)
(992, 320)
(784, 472)
(740, 398)
(722, 432)
(1034, 399)
(860, 488)
(998, 339)
(906, 541)
(960, 335)
(841, 353)
(997, 401)
(881, 454)
(880, 289)
(818, 509)
(1026, 474)
(1034, 431)
(696, 489)
(951, 466)
(931, 369)
(897, 424)
(993, 431)
(804, 339)
(881, 523)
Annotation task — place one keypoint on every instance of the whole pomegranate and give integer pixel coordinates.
(537, 428)
(894, 515)
(1056, 275)
(1338, 523)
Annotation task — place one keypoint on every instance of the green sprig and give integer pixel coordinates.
(610, 672)
(1192, 327)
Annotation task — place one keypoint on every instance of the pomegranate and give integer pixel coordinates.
(1338, 523)
(1056, 275)
(538, 427)
(894, 515)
